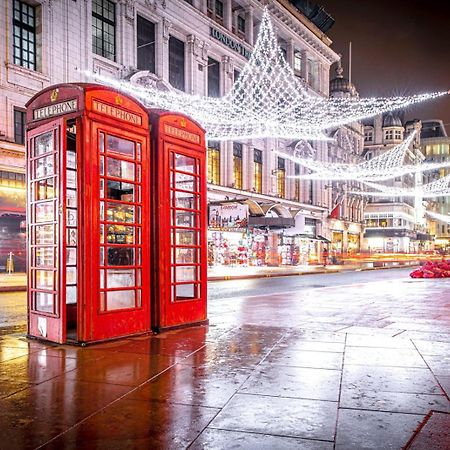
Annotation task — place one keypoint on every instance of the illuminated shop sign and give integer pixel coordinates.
(181, 134)
(55, 109)
(117, 113)
(233, 216)
(230, 43)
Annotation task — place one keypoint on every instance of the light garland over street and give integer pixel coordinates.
(383, 167)
(267, 101)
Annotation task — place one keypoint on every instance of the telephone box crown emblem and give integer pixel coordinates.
(183, 123)
(54, 95)
(118, 100)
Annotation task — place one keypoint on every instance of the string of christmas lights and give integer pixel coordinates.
(437, 188)
(267, 100)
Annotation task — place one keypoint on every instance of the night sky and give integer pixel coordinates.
(399, 47)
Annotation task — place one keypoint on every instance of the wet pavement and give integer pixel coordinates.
(352, 365)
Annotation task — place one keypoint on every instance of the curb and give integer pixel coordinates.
(289, 274)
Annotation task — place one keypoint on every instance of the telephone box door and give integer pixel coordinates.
(182, 223)
(45, 191)
(119, 253)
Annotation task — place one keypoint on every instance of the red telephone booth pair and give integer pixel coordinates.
(116, 216)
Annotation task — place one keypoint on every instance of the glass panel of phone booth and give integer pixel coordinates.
(120, 222)
(44, 202)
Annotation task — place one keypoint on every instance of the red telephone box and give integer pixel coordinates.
(88, 168)
(179, 220)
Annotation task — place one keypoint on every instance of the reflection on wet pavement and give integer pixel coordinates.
(348, 367)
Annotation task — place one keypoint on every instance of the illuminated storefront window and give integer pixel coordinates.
(237, 164)
(281, 177)
(257, 166)
(214, 162)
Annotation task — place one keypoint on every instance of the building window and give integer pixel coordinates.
(215, 10)
(12, 179)
(176, 63)
(368, 136)
(398, 134)
(241, 24)
(297, 182)
(19, 126)
(297, 62)
(389, 135)
(257, 170)
(281, 177)
(145, 44)
(104, 28)
(236, 75)
(213, 162)
(24, 24)
(237, 164)
(213, 78)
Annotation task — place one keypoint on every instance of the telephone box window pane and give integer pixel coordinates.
(120, 234)
(185, 274)
(71, 295)
(44, 212)
(45, 279)
(186, 219)
(44, 189)
(71, 217)
(117, 212)
(185, 200)
(44, 257)
(72, 238)
(185, 255)
(71, 256)
(44, 166)
(44, 302)
(185, 291)
(117, 278)
(120, 169)
(43, 144)
(185, 163)
(71, 161)
(44, 234)
(120, 146)
(71, 181)
(185, 237)
(121, 256)
(120, 300)
(71, 275)
(185, 182)
(116, 190)
(71, 198)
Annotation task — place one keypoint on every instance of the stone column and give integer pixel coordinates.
(162, 48)
(227, 15)
(290, 52)
(249, 25)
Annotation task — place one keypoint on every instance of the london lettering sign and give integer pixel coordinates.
(55, 109)
(230, 43)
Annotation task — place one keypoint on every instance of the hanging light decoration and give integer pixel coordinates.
(383, 167)
(438, 188)
(267, 100)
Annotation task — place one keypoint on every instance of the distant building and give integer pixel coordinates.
(435, 145)
(394, 225)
